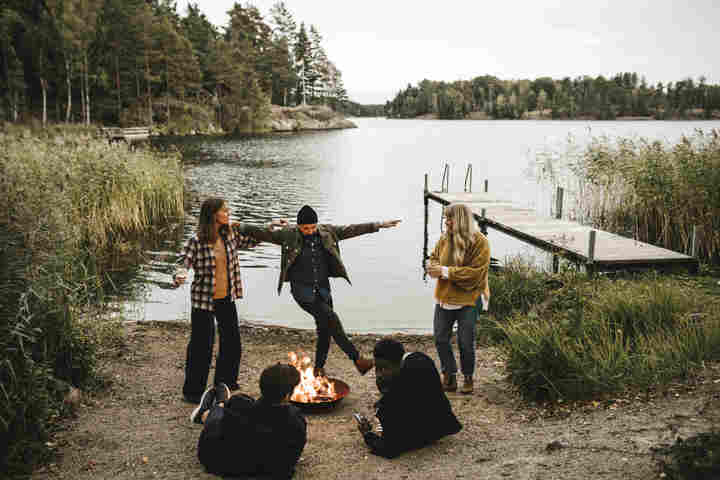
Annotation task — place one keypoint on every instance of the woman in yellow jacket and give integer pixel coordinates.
(460, 262)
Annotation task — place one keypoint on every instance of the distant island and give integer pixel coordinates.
(624, 96)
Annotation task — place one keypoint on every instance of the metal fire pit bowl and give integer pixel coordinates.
(341, 390)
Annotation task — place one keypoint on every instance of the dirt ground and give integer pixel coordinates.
(140, 428)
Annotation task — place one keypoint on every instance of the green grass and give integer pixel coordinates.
(600, 336)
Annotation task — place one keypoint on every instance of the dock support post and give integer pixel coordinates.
(425, 241)
(555, 263)
(468, 178)
(486, 185)
(591, 253)
(445, 183)
(483, 223)
(693, 242)
(559, 203)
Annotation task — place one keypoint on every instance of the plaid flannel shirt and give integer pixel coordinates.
(201, 258)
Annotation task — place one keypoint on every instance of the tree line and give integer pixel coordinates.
(624, 95)
(132, 62)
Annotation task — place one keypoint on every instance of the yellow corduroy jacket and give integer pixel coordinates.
(466, 282)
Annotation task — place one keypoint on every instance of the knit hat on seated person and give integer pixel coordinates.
(306, 215)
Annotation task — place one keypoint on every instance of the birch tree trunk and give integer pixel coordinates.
(117, 86)
(82, 96)
(68, 109)
(149, 90)
(43, 85)
(167, 93)
(15, 105)
(87, 90)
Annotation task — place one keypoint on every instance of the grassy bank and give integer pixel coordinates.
(568, 336)
(72, 205)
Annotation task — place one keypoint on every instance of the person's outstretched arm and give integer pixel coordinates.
(344, 232)
(262, 234)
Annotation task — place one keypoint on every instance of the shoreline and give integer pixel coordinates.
(618, 119)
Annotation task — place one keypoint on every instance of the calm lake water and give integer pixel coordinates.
(375, 172)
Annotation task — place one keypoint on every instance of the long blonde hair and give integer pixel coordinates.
(463, 230)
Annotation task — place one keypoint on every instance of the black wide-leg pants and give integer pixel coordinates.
(200, 347)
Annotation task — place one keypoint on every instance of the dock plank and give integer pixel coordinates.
(562, 236)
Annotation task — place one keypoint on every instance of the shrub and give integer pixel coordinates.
(618, 334)
(695, 458)
(516, 288)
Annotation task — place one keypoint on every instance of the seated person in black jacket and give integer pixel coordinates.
(242, 436)
(413, 410)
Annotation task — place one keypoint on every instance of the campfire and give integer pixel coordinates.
(312, 389)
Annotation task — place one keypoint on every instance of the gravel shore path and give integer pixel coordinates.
(139, 427)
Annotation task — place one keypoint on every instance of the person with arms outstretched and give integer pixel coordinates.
(310, 257)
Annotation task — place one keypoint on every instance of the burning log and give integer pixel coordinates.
(311, 389)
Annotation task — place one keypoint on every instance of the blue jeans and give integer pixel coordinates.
(442, 331)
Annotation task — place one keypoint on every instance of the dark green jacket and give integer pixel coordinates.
(291, 241)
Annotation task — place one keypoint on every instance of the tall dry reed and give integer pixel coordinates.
(69, 198)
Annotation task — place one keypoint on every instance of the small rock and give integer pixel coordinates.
(556, 445)
(72, 398)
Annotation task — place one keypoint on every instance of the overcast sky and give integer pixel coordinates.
(382, 46)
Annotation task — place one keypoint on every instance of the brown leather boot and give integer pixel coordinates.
(449, 382)
(467, 386)
(364, 365)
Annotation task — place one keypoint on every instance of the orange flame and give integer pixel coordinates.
(311, 388)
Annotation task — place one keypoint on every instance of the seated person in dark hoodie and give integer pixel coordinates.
(245, 437)
(413, 410)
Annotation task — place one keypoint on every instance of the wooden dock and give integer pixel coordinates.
(128, 135)
(597, 249)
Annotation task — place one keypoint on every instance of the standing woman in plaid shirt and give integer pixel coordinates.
(213, 254)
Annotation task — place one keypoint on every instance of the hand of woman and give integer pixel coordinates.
(434, 270)
(389, 224)
(179, 277)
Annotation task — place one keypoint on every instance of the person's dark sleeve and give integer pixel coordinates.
(261, 234)
(344, 232)
(382, 446)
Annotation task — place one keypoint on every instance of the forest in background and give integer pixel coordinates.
(139, 62)
(599, 98)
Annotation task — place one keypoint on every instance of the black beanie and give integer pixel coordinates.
(306, 215)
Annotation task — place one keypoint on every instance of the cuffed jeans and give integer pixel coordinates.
(327, 324)
(200, 347)
(442, 331)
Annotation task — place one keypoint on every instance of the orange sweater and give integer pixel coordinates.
(467, 281)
